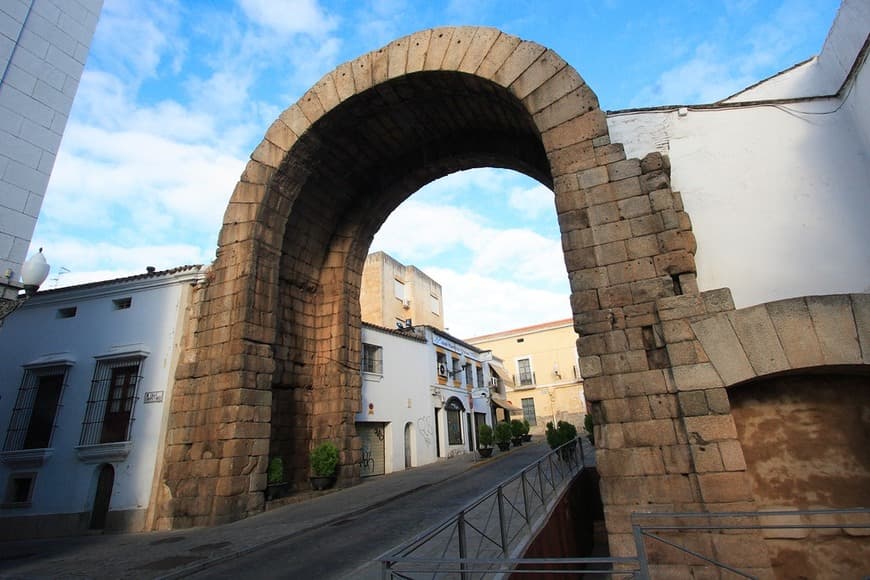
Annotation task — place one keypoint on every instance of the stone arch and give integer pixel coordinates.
(277, 332)
(272, 357)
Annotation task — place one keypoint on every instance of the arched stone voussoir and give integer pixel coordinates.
(522, 57)
(786, 335)
(545, 67)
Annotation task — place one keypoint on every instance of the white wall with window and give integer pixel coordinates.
(85, 382)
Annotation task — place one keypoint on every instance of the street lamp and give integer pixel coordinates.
(33, 274)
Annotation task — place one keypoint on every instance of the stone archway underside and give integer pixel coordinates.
(272, 362)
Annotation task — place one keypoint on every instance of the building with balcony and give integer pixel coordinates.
(545, 379)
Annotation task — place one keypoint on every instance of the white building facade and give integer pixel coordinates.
(43, 48)
(424, 393)
(86, 377)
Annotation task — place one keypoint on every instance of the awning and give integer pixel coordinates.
(502, 373)
(506, 405)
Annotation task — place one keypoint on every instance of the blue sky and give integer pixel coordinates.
(176, 94)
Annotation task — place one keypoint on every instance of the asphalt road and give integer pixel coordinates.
(348, 548)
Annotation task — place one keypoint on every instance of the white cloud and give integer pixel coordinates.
(75, 261)
(290, 16)
(531, 201)
(475, 304)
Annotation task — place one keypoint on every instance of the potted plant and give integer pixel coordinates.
(526, 435)
(517, 429)
(503, 435)
(276, 486)
(324, 460)
(562, 436)
(484, 440)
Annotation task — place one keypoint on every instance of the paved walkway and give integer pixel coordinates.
(179, 553)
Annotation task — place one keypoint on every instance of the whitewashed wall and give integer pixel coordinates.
(778, 194)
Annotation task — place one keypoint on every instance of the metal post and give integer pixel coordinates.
(460, 525)
(641, 552)
(541, 483)
(526, 499)
(386, 572)
(501, 521)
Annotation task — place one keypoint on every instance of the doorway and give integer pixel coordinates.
(102, 497)
(409, 463)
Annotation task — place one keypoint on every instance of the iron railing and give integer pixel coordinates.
(488, 535)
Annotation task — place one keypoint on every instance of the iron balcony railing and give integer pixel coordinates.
(488, 535)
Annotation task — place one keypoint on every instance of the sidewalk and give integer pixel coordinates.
(179, 553)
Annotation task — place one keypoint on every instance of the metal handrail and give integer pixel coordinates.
(487, 534)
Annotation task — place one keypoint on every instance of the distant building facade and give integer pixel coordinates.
(393, 293)
(424, 394)
(545, 384)
(43, 48)
(86, 377)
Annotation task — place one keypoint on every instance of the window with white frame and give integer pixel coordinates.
(469, 374)
(479, 371)
(524, 371)
(529, 410)
(36, 406)
(111, 405)
(372, 359)
(434, 305)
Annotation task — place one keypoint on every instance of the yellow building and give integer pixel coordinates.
(546, 375)
(393, 294)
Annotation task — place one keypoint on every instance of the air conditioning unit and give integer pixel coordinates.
(493, 381)
(406, 303)
(442, 370)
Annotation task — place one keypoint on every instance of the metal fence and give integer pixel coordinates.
(492, 532)
(488, 537)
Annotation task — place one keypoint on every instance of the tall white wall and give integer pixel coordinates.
(778, 193)
(43, 48)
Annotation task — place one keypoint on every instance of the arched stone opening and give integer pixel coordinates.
(272, 365)
(805, 436)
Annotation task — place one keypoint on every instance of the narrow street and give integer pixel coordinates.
(335, 535)
(348, 548)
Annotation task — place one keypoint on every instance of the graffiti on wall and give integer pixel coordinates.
(426, 427)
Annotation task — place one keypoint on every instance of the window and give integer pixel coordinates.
(469, 381)
(19, 489)
(529, 411)
(35, 409)
(456, 369)
(524, 368)
(122, 303)
(399, 289)
(66, 312)
(479, 376)
(109, 413)
(433, 304)
(454, 410)
(372, 359)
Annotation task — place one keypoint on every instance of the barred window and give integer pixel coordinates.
(33, 417)
(372, 359)
(529, 411)
(112, 402)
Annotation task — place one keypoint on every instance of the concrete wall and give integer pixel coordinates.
(378, 301)
(66, 482)
(43, 48)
